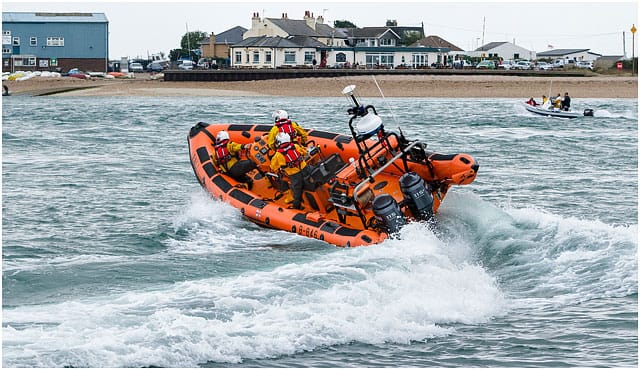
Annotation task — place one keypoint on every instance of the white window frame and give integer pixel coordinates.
(382, 59)
(6, 37)
(33, 41)
(55, 41)
(238, 57)
(31, 62)
(16, 41)
(267, 56)
(309, 56)
(287, 57)
(387, 42)
(6, 50)
(419, 60)
(256, 57)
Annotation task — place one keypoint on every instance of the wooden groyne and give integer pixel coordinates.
(275, 74)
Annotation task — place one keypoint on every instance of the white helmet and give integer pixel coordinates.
(222, 135)
(282, 138)
(279, 115)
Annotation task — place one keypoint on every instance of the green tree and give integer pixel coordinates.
(190, 46)
(191, 39)
(175, 54)
(410, 37)
(344, 24)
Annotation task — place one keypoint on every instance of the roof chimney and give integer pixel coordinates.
(308, 17)
(320, 20)
(255, 20)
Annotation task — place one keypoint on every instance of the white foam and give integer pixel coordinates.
(603, 113)
(16, 265)
(399, 291)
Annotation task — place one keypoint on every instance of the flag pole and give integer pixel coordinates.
(633, 49)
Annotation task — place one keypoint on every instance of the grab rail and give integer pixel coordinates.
(371, 177)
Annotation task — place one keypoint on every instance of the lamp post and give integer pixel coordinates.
(633, 50)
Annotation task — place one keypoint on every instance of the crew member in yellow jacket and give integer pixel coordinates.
(289, 158)
(226, 157)
(282, 124)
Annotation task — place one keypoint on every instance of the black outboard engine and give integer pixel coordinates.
(588, 112)
(417, 196)
(388, 213)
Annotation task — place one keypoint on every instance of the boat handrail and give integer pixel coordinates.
(371, 177)
(385, 145)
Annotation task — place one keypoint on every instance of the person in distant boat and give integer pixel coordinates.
(546, 103)
(226, 157)
(282, 124)
(566, 102)
(289, 158)
(532, 101)
(557, 102)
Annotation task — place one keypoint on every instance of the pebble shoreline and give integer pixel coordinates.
(470, 86)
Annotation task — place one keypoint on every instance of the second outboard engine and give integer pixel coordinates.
(417, 196)
(588, 112)
(388, 213)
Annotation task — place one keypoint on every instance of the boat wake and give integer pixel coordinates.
(603, 113)
(479, 263)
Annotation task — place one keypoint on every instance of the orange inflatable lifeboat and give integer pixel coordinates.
(360, 189)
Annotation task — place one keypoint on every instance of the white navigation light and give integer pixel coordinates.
(349, 90)
(369, 125)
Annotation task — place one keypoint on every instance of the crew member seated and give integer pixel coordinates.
(226, 157)
(289, 158)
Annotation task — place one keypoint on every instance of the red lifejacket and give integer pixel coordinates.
(291, 155)
(222, 152)
(286, 126)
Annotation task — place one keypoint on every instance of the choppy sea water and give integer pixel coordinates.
(113, 255)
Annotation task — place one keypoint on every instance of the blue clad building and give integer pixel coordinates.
(37, 41)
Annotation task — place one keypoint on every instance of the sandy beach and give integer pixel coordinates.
(468, 86)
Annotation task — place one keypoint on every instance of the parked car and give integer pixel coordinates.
(203, 63)
(136, 67)
(155, 67)
(523, 65)
(544, 66)
(486, 64)
(186, 65)
(460, 64)
(585, 64)
(562, 63)
(506, 65)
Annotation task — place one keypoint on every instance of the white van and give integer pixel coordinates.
(203, 63)
(186, 64)
(506, 64)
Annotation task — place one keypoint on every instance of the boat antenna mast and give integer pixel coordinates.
(404, 140)
(393, 116)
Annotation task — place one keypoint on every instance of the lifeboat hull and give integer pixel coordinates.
(342, 220)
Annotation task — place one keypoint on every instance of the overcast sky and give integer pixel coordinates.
(142, 27)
